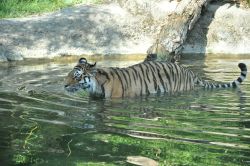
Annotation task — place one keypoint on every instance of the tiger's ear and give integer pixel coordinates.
(82, 61)
(92, 65)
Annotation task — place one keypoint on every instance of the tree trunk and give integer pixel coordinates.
(174, 29)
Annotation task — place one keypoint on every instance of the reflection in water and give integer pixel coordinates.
(40, 124)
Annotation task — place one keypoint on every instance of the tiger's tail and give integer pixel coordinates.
(234, 84)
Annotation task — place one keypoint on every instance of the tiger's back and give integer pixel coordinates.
(150, 78)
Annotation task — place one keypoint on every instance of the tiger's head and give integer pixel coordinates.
(81, 77)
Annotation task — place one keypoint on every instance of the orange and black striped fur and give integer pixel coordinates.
(149, 77)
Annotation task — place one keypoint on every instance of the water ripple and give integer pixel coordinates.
(203, 127)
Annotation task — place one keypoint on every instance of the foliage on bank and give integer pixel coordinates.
(19, 8)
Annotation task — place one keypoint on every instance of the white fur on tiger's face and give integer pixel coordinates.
(81, 77)
(149, 77)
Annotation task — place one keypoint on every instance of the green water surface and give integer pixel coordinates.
(41, 124)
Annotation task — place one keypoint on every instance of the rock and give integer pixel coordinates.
(103, 29)
(142, 161)
(125, 27)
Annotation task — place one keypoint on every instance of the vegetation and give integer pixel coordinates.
(248, 1)
(18, 8)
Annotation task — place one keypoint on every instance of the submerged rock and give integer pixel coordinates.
(143, 161)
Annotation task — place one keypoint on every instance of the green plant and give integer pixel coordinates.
(19, 8)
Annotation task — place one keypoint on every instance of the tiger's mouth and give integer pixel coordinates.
(76, 87)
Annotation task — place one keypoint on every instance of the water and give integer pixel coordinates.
(40, 124)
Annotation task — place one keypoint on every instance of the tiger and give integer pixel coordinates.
(148, 77)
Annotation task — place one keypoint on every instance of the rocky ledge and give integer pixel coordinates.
(114, 29)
